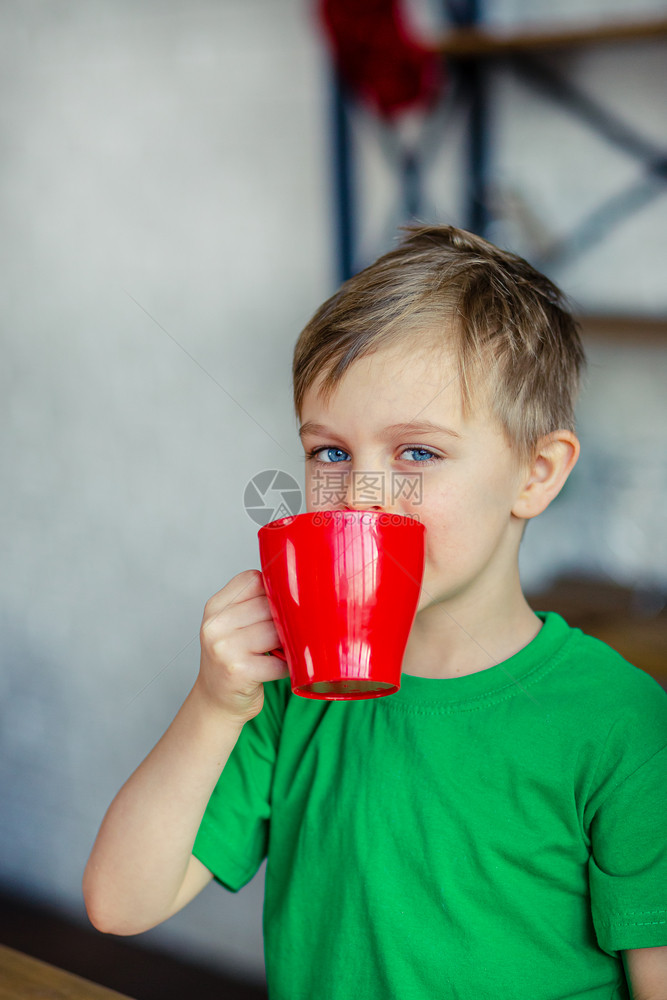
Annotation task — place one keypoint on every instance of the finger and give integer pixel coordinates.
(243, 587)
(268, 668)
(259, 638)
(234, 648)
(237, 616)
(256, 610)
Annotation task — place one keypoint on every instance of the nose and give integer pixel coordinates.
(366, 491)
(363, 484)
(362, 506)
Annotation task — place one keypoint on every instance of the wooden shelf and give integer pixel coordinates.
(626, 328)
(480, 43)
(609, 612)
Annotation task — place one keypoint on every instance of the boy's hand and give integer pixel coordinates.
(237, 631)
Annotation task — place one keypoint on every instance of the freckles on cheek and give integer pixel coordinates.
(453, 532)
(445, 550)
(440, 544)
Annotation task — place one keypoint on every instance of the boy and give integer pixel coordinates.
(496, 829)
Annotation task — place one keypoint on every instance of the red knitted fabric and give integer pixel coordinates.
(377, 57)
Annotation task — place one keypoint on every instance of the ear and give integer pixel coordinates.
(555, 457)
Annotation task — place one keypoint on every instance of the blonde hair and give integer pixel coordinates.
(512, 330)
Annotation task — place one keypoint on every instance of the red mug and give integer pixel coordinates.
(343, 588)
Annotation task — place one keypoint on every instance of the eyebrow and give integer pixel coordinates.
(414, 426)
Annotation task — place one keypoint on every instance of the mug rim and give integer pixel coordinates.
(382, 518)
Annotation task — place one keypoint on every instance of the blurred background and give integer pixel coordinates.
(181, 186)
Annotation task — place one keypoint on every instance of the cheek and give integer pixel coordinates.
(446, 545)
(446, 513)
(461, 525)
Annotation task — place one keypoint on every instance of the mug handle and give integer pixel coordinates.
(278, 651)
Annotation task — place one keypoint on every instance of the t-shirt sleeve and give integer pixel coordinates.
(628, 866)
(233, 835)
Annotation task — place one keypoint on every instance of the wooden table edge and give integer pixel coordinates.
(23, 977)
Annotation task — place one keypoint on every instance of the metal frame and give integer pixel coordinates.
(471, 72)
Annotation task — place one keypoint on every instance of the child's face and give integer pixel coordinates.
(369, 448)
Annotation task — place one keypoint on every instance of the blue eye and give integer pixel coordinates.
(330, 455)
(420, 454)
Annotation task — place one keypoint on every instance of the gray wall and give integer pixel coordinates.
(164, 236)
(165, 232)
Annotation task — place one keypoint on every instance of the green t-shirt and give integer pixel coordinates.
(497, 835)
